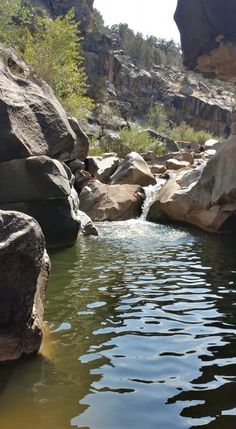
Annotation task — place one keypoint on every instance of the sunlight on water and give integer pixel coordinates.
(142, 335)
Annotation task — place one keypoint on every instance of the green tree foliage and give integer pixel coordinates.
(51, 47)
(146, 51)
(99, 25)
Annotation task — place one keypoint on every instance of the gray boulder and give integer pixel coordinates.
(42, 188)
(24, 270)
(32, 121)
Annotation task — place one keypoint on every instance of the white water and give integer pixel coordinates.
(150, 192)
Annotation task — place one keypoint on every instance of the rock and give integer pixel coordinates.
(103, 202)
(209, 153)
(82, 8)
(170, 144)
(189, 145)
(202, 112)
(207, 30)
(174, 164)
(211, 144)
(24, 269)
(87, 226)
(187, 156)
(42, 188)
(158, 169)
(32, 121)
(205, 197)
(148, 156)
(106, 167)
(81, 148)
(81, 178)
(133, 170)
(112, 142)
(33, 179)
(186, 90)
(76, 165)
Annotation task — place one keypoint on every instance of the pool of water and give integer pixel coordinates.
(140, 334)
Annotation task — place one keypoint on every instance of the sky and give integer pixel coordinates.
(150, 17)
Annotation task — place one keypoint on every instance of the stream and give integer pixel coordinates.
(140, 334)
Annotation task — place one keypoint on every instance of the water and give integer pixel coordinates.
(142, 323)
(150, 193)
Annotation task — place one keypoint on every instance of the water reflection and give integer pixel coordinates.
(143, 324)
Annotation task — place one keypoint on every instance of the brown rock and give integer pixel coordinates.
(205, 197)
(174, 164)
(133, 170)
(103, 202)
(158, 169)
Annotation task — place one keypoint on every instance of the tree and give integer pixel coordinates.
(53, 50)
(51, 47)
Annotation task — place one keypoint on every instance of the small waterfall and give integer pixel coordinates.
(150, 192)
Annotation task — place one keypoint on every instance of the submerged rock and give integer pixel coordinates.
(24, 270)
(103, 202)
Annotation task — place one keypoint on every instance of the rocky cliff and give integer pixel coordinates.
(131, 90)
(82, 8)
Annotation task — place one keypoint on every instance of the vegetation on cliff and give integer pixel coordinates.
(51, 47)
(144, 51)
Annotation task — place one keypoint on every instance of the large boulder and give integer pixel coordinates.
(32, 121)
(205, 197)
(42, 188)
(133, 170)
(103, 202)
(207, 29)
(81, 148)
(24, 269)
(102, 167)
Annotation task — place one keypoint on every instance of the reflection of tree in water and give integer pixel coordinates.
(215, 388)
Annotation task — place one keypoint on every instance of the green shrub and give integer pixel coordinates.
(94, 148)
(157, 118)
(185, 132)
(138, 141)
(51, 47)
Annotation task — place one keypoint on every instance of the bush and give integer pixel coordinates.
(157, 118)
(187, 133)
(51, 47)
(94, 148)
(138, 141)
(53, 50)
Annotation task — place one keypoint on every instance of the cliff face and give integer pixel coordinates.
(133, 90)
(83, 9)
(208, 36)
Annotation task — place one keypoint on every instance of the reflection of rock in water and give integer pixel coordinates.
(48, 347)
